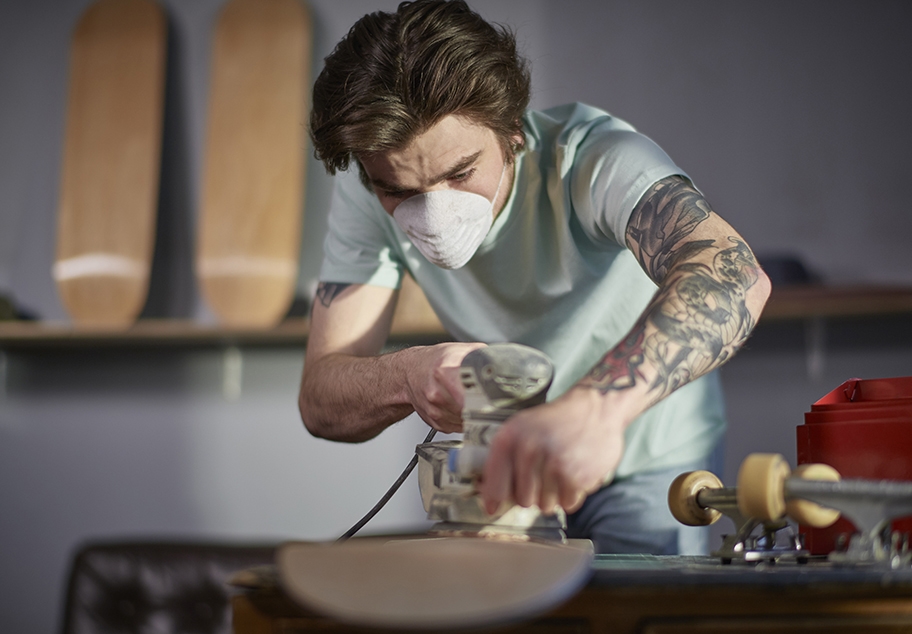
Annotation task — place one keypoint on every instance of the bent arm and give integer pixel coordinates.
(349, 391)
(711, 293)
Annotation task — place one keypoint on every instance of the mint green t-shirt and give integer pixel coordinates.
(553, 273)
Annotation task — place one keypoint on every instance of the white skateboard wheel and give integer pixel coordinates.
(682, 498)
(809, 513)
(761, 486)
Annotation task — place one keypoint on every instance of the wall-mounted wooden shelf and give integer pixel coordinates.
(415, 320)
(173, 333)
(148, 332)
(807, 302)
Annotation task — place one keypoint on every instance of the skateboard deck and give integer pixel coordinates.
(111, 162)
(445, 582)
(253, 185)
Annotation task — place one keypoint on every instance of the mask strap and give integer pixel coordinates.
(499, 183)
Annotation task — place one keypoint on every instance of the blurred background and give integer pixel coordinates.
(791, 116)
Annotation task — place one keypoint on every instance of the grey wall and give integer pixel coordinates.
(791, 116)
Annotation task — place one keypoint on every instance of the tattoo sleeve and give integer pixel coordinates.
(328, 291)
(699, 316)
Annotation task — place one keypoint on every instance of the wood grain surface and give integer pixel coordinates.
(253, 185)
(111, 162)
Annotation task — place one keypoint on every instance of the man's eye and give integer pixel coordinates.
(461, 176)
(398, 195)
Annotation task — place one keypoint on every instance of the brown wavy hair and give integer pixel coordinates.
(394, 75)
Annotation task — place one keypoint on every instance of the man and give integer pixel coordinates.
(565, 230)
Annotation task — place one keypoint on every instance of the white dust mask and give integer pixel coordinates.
(448, 225)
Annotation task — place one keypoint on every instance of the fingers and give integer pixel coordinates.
(497, 482)
(448, 379)
(551, 487)
(572, 498)
(441, 419)
(536, 480)
(436, 391)
(448, 389)
(444, 413)
(528, 482)
(528, 469)
(519, 469)
(559, 489)
(551, 455)
(447, 372)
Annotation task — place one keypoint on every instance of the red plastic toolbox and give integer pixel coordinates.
(863, 429)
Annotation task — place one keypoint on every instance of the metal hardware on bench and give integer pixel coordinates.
(870, 505)
(776, 541)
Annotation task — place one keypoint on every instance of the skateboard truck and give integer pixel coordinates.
(813, 495)
(870, 505)
(498, 380)
(698, 498)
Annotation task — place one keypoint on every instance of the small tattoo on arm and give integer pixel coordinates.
(328, 291)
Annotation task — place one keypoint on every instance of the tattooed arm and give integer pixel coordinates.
(711, 292)
(350, 392)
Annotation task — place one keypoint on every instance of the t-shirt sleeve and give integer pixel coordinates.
(612, 169)
(360, 245)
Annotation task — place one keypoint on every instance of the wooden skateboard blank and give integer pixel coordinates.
(253, 186)
(111, 161)
(433, 582)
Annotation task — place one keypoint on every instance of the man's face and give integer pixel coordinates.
(454, 153)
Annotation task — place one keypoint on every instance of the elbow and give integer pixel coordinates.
(756, 295)
(316, 427)
(313, 423)
(762, 288)
(324, 427)
(312, 427)
(314, 414)
(320, 422)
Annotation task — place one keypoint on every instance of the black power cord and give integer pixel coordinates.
(386, 496)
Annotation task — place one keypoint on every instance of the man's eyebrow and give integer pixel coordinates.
(462, 165)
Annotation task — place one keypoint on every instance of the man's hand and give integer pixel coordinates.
(433, 385)
(351, 392)
(553, 454)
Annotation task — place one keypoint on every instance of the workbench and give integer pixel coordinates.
(642, 594)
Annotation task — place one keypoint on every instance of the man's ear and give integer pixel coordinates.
(517, 143)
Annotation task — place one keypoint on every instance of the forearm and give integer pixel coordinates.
(352, 399)
(703, 312)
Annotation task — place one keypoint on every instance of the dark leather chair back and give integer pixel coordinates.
(155, 587)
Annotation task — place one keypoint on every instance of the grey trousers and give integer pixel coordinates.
(631, 515)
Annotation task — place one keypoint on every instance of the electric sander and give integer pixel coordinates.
(498, 380)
